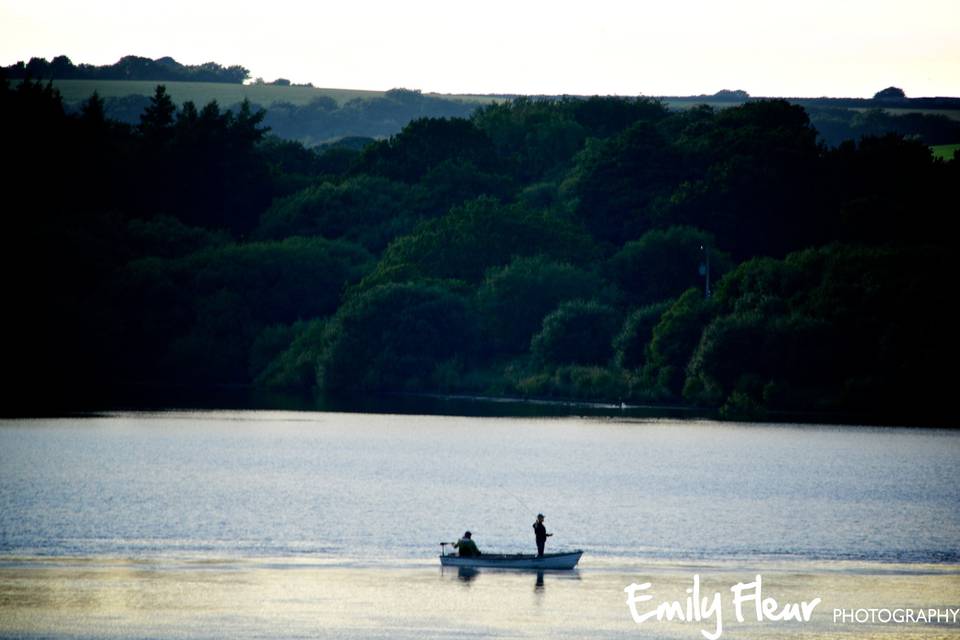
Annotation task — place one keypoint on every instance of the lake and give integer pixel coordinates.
(199, 524)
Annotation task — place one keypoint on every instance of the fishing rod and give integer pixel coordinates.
(517, 498)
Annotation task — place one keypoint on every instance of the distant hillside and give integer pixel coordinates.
(733, 98)
(308, 114)
(934, 121)
(315, 116)
(164, 69)
(75, 91)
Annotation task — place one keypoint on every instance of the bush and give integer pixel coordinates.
(576, 382)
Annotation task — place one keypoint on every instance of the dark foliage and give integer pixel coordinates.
(513, 300)
(576, 332)
(836, 125)
(394, 337)
(542, 247)
(127, 68)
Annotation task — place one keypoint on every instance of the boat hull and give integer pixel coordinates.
(549, 561)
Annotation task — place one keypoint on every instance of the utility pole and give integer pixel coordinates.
(705, 270)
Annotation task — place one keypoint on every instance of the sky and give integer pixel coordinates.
(663, 47)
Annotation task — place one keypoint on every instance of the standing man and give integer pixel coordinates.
(541, 533)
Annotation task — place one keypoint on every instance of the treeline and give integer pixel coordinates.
(549, 248)
(323, 120)
(836, 125)
(878, 101)
(164, 69)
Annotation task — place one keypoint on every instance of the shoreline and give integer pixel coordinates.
(148, 397)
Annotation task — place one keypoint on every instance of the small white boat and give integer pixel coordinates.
(548, 561)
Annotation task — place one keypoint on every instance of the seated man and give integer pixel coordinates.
(467, 546)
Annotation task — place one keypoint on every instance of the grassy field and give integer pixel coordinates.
(953, 114)
(203, 92)
(945, 151)
(226, 94)
(683, 105)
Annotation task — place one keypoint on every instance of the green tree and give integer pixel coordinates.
(576, 332)
(888, 192)
(425, 143)
(364, 209)
(201, 313)
(454, 182)
(479, 235)
(246, 128)
(394, 337)
(209, 158)
(167, 237)
(531, 136)
(605, 116)
(91, 112)
(279, 281)
(514, 299)
(633, 341)
(286, 357)
(836, 327)
(890, 93)
(663, 263)
(674, 339)
(157, 119)
(748, 174)
(616, 182)
(778, 362)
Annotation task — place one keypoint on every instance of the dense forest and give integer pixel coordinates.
(164, 69)
(539, 248)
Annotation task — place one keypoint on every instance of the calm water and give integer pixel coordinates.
(193, 498)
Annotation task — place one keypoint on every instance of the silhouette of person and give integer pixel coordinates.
(467, 546)
(541, 532)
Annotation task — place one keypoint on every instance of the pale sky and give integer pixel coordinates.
(661, 47)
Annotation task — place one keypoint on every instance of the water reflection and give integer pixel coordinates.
(467, 575)
(161, 398)
(87, 598)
